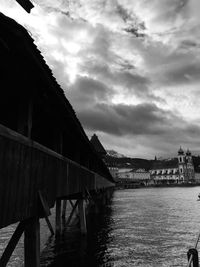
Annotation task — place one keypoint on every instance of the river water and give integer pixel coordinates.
(147, 227)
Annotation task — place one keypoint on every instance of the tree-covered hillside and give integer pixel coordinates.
(137, 163)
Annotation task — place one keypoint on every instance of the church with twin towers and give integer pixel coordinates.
(185, 165)
(177, 170)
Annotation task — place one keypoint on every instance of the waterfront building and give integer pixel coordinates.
(134, 176)
(113, 171)
(123, 171)
(197, 177)
(176, 170)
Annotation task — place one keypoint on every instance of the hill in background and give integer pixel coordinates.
(115, 159)
(126, 162)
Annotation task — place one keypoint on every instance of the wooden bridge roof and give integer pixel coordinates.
(44, 148)
(21, 36)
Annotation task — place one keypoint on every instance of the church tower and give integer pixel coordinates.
(189, 166)
(182, 164)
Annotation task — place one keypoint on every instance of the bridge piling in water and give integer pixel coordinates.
(31, 226)
(82, 216)
(58, 225)
(32, 243)
(12, 244)
(64, 207)
(45, 211)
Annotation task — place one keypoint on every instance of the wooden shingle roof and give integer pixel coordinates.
(19, 39)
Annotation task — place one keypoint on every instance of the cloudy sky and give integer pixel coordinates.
(131, 69)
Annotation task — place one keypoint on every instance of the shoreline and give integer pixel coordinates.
(119, 187)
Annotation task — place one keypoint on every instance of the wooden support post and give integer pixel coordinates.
(88, 194)
(81, 208)
(49, 225)
(71, 203)
(58, 216)
(12, 244)
(64, 208)
(32, 243)
(72, 212)
(46, 211)
(193, 258)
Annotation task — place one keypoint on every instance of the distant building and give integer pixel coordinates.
(197, 177)
(177, 170)
(134, 175)
(113, 170)
(124, 170)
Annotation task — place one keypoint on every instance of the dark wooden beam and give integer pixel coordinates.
(64, 208)
(82, 216)
(46, 211)
(71, 203)
(12, 244)
(26, 4)
(72, 212)
(32, 243)
(58, 216)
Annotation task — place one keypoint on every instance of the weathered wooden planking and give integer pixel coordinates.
(27, 167)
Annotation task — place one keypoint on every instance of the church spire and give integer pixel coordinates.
(180, 152)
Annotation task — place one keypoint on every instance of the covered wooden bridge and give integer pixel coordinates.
(45, 155)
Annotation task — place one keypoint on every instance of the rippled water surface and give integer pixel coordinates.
(154, 227)
(146, 227)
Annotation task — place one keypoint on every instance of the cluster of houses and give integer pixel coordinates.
(179, 170)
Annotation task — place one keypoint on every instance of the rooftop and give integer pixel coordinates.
(97, 145)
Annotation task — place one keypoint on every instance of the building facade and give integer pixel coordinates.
(177, 170)
(137, 175)
(113, 170)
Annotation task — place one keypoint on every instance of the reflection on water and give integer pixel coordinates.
(147, 227)
(74, 249)
(143, 227)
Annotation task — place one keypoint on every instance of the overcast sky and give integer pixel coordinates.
(131, 69)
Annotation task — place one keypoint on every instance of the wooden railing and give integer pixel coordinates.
(27, 167)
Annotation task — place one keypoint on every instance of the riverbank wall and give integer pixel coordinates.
(135, 186)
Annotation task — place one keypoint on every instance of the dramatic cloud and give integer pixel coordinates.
(130, 68)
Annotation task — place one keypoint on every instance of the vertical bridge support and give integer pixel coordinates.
(64, 208)
(58, 217)
(81, 208)
(12, 244)
(32, 243)
(31, 229)
(81, 205)
(193, 259)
